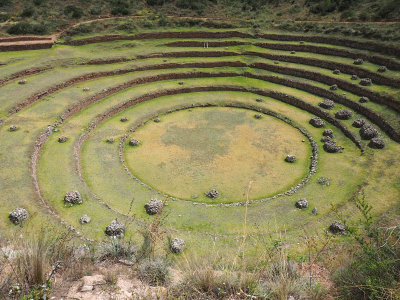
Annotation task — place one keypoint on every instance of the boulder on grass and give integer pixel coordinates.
(332, 147)
(343, 114)
(13, 128)
(124, 119)
(258, 116)
(366, 81)
(110, 140)
(354, 77)
(382, 69)
(115, 229)
(327, 103)
(85, 219)
(73, 197)
(317, 122)
(301, 203)
(212, 194)
(368, 132)
(363, 99)
(177, 245)
(133, 142)
(290, 158)
(358, 61)
(326, 139)
(23, 81)
(336, 72)
(153, 206)
(376, 143)
(18, 216)
(259, 100)
(293, 52)
(337, 227)
(62, 139)
(358, 123)
(276, 62)
(328, 132)
(333, 87)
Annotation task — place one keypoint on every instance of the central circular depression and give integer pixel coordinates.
(195, 150)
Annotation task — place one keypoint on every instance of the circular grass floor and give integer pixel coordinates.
(194, 150)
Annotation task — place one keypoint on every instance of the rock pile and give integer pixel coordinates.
(258, 116)
(153, 206)
(212, 194)
(13, 128)
(337, 227)
(343, 114)
(124, 119)
(133, 142)
(301, 203)
(332, 147)
(358, 123)
(382, 69)
(376, 143)
(328, 132)
(368, 132)
(366, 81)
(290, 158)
(336, 72)
(23, 81)
(327, 103)
(293, 52)
(62, 139)
(85, 219)
(333, 87)
(177, 245)
(115, 229)
(354, 77)
(358, 61)
(110, 140)
(363, 100)
(317, 122)
(73, 197)
(259, 100)
(18, 216)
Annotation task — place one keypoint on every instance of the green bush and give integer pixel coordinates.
(28, 12)
(38, 2)
(4, 17)
(5, 2)
(153, 271)
(374, 272)
(73, 11)
(120, 7)
(27, 28)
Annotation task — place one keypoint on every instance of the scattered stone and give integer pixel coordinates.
(333, 87)
(276, 62)
(124, 119)
(328, 132)
(336, 72)
(317, 122)
(327, 103)
(105, 90)
(13, 128)
(326, 139)
(368, 132)
(157, 120)
(212, 194)
(337, 227)
(133, 142)
(301, 42)
(358, 123)
(314, 211)
(366, 81)
(86, 89)
(110, 140)
(302, 203)
(382, 69)
(324, 181)
(115, 229)
(290, 158)
(164, 60)
(376, 143)
(18, 215)
(23, 81)
(85, 219)
(332, 147)
(343, 114)
(354, 77)
(56, 130)
(62, 139)
(258, 116)
(259, 100)
(358, 61)
(73, 197)
(180, 82)
(153, 206)
(177, 245)
(363, 99)
(292, 52)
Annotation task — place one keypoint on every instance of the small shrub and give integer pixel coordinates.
(27, 28)
(116, 249)
(153, 271)
(73, 11)
(120, 7)
(28, 12)
(4, 17)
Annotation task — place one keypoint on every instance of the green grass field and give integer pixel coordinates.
(190, 151)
